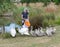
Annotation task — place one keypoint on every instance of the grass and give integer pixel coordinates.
(25, 41)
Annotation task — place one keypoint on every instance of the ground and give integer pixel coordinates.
(25, 41)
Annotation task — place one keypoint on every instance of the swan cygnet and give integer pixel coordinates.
(32, 32)
(42, 32)
(37, 32)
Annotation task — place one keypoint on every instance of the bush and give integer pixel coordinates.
(17, 14)
(45, 23)
(37, 21)
(50, 16)
(57, 2)
(42, 20)
(57, 21)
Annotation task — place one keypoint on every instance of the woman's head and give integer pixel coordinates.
(26, 10)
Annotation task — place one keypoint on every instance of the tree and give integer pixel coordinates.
(57, 1)
(28, 1)
(5, 6)
(22, 1)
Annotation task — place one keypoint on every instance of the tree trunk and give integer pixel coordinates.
(27, 4)
(22, 4)
(3, 29)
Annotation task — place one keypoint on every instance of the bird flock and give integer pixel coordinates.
(49, 31)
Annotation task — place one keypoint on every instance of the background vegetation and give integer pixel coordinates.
(47, 14)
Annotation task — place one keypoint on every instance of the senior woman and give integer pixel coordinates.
(25, 15)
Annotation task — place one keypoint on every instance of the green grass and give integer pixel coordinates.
(25, 41)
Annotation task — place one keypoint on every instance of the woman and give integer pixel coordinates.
(25, 15)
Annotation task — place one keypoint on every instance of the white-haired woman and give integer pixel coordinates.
(25, 15)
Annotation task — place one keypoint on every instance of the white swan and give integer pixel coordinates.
(13, 32)
(48, 31)
(53, 29)
(23, 31)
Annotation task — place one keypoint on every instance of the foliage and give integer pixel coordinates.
(50, 16)
(46, 2)
(36, 21)
(45, 23)
(4, 21)
(39, 18)
(57, 1)
(28, 1)
(5, 5)
(57, 21)
(5, 35)
(17, 14)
